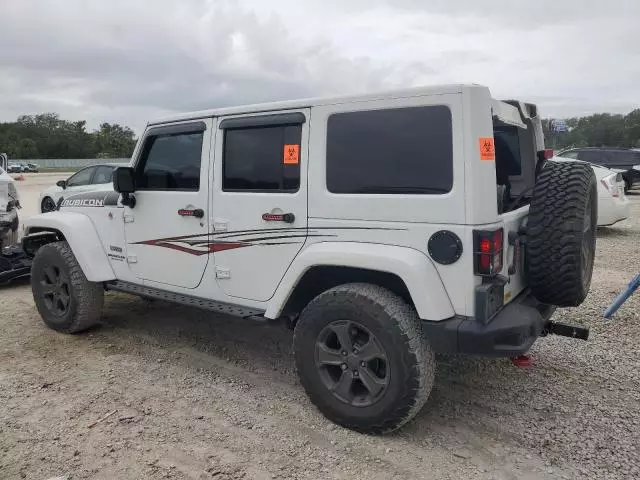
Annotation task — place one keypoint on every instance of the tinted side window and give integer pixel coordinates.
(103, 175)
(83, 177)
(262, 158)
(402, 150)
(593, 156)
(508, 160)
(624, 158)
(171, 162)
(570, 154)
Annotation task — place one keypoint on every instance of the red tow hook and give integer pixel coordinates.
(521, 361)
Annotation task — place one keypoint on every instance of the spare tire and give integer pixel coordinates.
(561, 233)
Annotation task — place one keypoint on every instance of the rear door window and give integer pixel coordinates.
(593, 156)
(103, 175)
(392, 151)
(254, 159)
(83, 177)
(624, 158)
(570, 154)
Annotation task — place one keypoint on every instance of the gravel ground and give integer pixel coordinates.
(216, 398)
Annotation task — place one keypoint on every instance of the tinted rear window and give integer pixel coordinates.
(402, 150)
(508, 160)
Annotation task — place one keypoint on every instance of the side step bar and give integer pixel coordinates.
(189, 300)
(564, 330)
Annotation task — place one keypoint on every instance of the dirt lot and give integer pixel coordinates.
(202, 396)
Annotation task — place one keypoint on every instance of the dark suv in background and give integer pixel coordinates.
(622, 159)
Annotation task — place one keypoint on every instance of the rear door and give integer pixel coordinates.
(259, 205)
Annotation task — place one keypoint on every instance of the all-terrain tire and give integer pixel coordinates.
(396, 327)
(561, 233)
(78, 304)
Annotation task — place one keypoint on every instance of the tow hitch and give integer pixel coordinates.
(564, 330)
(553, 328)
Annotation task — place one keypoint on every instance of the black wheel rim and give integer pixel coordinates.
(48, 205)
(352, 363)
(587, 244)
(55, 290)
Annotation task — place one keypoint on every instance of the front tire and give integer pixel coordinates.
(65, 299)
(362, 358)
(47, 205)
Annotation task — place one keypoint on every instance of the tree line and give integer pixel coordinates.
(598, 130)
(48, 136)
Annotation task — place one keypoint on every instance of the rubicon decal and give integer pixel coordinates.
(91, 199)
(90, 202)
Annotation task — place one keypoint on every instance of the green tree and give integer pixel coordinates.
(27, 148)
(114, 141)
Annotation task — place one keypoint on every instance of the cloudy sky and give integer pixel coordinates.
(128, 61)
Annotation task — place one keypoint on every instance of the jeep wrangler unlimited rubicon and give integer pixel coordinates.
(385, 227)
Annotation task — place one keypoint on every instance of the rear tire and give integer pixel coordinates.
(362, 358)
(65, 299)
(561, 233)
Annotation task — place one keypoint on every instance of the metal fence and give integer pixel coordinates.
(69, 162)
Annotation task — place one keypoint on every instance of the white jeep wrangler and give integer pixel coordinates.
(385, 227)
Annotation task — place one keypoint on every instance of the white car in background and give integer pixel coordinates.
(89, 179)
(9, 204)
(613, 204)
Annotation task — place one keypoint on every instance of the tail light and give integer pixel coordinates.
(548, 153)
(610, 183)
(488, 247)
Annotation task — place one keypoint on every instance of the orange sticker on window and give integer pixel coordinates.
(487, 149)
(291, 155)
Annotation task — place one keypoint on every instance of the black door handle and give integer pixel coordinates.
(279, 217)
(198, 213)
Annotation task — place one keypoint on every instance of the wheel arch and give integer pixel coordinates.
(404, 271)
(78, 231)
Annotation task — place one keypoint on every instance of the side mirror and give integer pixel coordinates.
(124, 183)
(124, 180)
(62, 184)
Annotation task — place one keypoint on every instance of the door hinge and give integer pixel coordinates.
(223, 272)
(132, 258)
(128, 218)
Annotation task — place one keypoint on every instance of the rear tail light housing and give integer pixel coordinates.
(611, 184)
(488, 248)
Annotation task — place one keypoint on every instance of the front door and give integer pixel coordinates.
(259, 205)
(167, 229)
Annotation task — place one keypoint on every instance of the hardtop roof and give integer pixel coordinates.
(310, 102)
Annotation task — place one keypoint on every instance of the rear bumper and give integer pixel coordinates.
(612, 210)
(509, 333)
